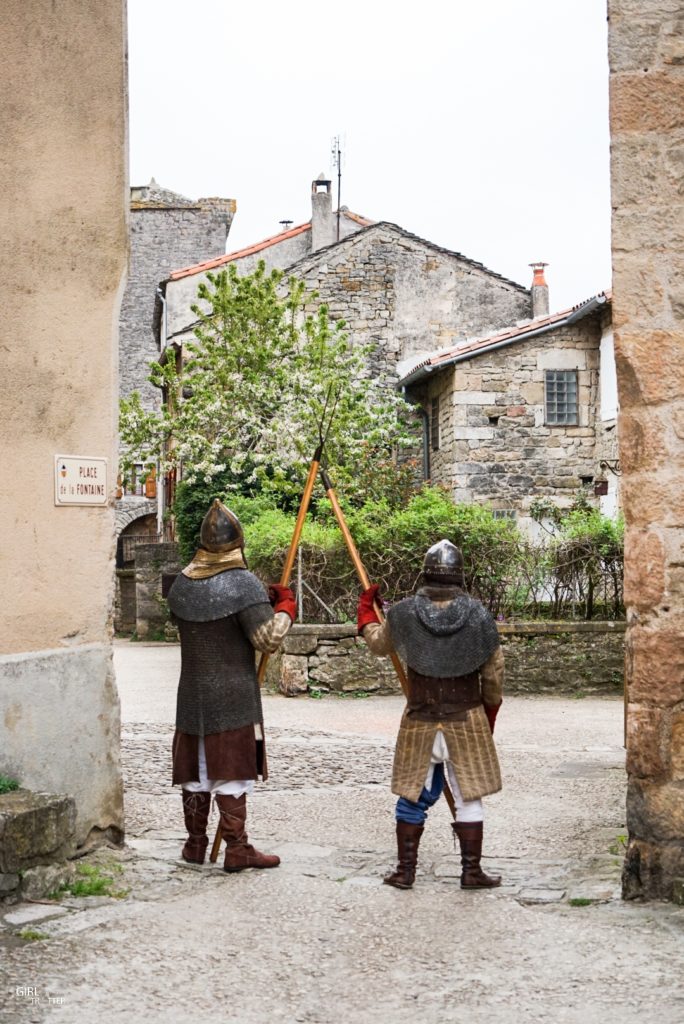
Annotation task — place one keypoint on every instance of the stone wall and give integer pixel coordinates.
(494, 445)
(408, 296)
(646, 45)
(541, 657)
(152, 563)
(124, 602)
(165, 234)
(182, 293)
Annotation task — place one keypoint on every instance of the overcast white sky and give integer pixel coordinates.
(482, 126)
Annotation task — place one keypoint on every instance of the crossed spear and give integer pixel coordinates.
(314, 469)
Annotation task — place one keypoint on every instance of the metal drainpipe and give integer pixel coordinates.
(161, 477)
(426, 433)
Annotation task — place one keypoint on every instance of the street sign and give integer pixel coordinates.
(80, 480)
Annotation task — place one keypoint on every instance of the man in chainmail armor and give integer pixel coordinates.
(455, 670)
(223, 615)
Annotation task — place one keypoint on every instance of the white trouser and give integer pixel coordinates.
(466, 810)
(235, 788)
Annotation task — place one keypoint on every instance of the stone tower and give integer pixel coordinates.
(167, 231)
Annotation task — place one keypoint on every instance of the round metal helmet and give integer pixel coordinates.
(443, 563)
(221, 529)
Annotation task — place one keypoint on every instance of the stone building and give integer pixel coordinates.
(646, 51)
(166, 230)
(400, 292)
(419, 306)
(525, 413)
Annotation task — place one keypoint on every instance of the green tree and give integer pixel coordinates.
(265, 368)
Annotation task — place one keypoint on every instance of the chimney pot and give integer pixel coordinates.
(540, 291)
(322, 220)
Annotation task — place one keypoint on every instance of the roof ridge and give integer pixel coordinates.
(534, 326)
(416, 238)
(266, 243)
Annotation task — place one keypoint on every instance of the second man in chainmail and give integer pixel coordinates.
(455, 671)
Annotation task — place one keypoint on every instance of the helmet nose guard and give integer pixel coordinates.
(221, 529)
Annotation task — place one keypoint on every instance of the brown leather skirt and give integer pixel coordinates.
(232, 754)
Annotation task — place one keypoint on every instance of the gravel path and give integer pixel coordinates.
(320, 940)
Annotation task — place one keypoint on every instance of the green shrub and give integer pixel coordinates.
(8, 785)
(577, 572)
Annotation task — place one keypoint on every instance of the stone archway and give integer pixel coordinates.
(647, 141)
(129, 510)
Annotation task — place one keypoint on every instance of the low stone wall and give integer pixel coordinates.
(541, 657)
(153, 562)
(37, 835)
(124, 601)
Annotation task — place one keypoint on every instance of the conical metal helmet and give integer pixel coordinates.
(221, 529)
(443, 563)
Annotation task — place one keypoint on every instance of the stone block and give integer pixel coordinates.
(44, 879)
(655, 665)
(678, 891)
(294, 675)
(35, 828)
(360, 671)
(648, 498)
(677, 746)
(652, 869)
(645, 755)
(643, 443)
(299, 644)
(9, 884)
(644, 583)
(473, 433)
(649, 367)
(646, 102)
(655, 810)
(554, 358)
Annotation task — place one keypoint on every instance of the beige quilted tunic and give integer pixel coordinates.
(468, 739)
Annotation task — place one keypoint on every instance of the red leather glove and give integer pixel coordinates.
(365, 612)
(282, 599)
(491, 711)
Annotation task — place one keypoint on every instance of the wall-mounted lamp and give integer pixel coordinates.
(612, 465)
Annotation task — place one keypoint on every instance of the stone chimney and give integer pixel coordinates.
(322, 220)
(540, 291)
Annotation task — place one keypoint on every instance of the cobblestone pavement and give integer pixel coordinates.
(320, 940)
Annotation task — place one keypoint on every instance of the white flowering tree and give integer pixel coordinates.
(247, 400)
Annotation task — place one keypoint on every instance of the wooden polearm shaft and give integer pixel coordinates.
(284, 580)
(360, 569)
(365, 583)
(294, 543)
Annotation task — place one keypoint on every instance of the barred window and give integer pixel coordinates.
(561, 397)
(434, 424)
(504, 513)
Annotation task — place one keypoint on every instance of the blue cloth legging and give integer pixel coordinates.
(416, 813)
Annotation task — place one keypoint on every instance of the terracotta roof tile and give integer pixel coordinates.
(220, 261)
(511, 334)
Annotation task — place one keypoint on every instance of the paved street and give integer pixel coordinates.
(320, 940)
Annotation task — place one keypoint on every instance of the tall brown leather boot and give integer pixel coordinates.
(470, 838)
(408, 839)
(196, 812)
(239, 853)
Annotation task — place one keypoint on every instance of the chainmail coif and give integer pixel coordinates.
(451, 639)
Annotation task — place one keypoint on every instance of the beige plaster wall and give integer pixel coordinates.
(63, 222)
